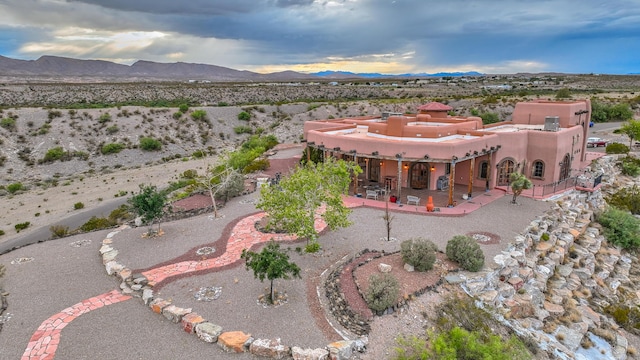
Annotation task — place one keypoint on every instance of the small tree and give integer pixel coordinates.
(519, 183)
(149, 203)
(271, 263)
(388, 218)
(631, 129)
(221, 180)
(292, 204)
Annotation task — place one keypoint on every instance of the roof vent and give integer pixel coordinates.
(551, 123)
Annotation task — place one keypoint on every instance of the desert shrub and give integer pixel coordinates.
(421, 253)
(626, 316)
(466, 252)
(459, 343)
(544, 237)
(198, 154)
(112, 129)
(617, 148)
(382, 292)
(183, 108)
(626, 199)
(78, 206)
(150, 144)
(111, 148)
(58, 231)
(120, 214)
(244, 116)
(489, 118)
(312, 247)
(199, 115)
(177, 115)
(263, 143)
(56, 153)
(256, 165)
(106, 117)
(15, 187)
(189, 174)
(2, 232)
(630, 166)
(620, 228)
(96, 223)
(21, 226)
(243, 130)
(3, 270)
(8, 123)
(52, 114)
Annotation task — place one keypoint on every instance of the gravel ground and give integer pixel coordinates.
(61, 275)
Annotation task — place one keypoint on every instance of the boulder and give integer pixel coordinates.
(208, 332)
(269, 348)
(235, 341)
(309, 354)
(384, 268)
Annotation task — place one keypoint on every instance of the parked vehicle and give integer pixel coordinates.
(596, 142)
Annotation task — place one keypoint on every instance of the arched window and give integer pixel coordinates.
(537, 169)
(484, 170)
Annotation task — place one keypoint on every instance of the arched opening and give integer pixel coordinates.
(505, 168)
(565, 168)
(419, 176)
(537, 169)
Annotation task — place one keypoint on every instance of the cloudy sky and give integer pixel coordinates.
(386, 36)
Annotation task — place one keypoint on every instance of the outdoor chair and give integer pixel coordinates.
(413, 200)
(372, 194)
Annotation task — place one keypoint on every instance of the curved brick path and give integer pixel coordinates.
(44, 342)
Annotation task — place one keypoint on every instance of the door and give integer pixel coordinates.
(505, 168)
(419, 178)
(565, 168)
(374, 170)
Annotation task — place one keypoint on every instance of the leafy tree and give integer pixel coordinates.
(149, 203)
(519, 183)
(620, 112)
(292, 205)
(221, 180)
(271, 263)
(632, 129)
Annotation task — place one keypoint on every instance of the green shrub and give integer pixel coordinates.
(489, 118)
(198, 154)
(177, 115)
(111, 148)
(96, 223)
(245, 116)
(630, 166)
(183, 108)
(189, 174)
(112, 129)
(626, 199)
(617, 148)
(312, 247)
(382, 292)
(22, 226)
(2, 232)
(199, 115)
(56, 153)
(150, 144)
(421, 253)
(243, 130)
(544, 237)
(106, 117)
(459, 343)
(8, 123)
(78, 206)
(466, 252)
(58, 231)
(120, 214)
(620, 228)
(256, 165)
(15, 187)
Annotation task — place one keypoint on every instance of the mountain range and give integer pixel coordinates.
(63, 67)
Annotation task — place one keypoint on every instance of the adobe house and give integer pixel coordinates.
(432, 150)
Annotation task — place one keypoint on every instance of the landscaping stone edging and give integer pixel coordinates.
(137, 285)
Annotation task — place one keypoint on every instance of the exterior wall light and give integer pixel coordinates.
(433, 168)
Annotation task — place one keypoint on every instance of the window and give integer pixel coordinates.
(484, 168)
(537, 170)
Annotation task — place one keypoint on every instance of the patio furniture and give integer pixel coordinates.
(413, 200)
(372, 194)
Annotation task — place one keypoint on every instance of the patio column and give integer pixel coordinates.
(489, 170)
(471, 166)
(355, 176)
(399, 183)
(452, 176)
